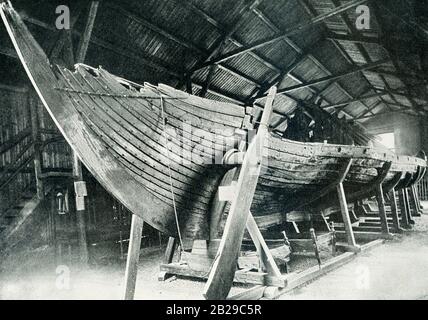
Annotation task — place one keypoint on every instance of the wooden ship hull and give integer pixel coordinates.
(152, 147)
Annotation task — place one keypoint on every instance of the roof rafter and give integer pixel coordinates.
(415, 106)
(291, 31)
(332, 77)
(217, 48)
(179, 40)
(354, 32)
(313, 12)
(82, 49)
(352, 38)
(359, 99)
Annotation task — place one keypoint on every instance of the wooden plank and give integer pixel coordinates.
(369, 191)
(326, 190)
(365, 235)
(221, 275)
(254, 293)
(296, 280)
(241, 276)
(133, 257)
(302, 245)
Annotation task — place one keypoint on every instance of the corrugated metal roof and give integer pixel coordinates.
(162, 40)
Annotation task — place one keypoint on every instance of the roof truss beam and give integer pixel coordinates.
(352, 38)
(291, 31)
(333, 77)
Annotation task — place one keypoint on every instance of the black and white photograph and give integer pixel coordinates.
(192, 150)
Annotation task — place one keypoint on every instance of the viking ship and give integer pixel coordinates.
(134, 140)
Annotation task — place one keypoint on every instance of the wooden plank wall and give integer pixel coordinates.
(15, 137)
(57, 155)
(16, 148)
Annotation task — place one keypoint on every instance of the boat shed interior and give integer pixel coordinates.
(347, 72)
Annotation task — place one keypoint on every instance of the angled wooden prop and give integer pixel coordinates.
(224, 266)
(133, 257)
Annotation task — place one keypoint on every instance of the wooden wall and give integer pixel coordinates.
(15, 146)
(106, 220)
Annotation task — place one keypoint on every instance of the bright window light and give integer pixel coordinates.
(387, 140)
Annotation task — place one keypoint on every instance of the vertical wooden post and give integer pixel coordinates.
(133, 256)
(382, 211)
(345, 216)
(81, 193)
(333, 239)
(418, 201)
(315, 244)
(170, 249)
(403, 208)
(414, 201)
(394, 211)
(77, 165)
(407, 203)
(37, 145)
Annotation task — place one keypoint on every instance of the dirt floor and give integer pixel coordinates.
(395, 270)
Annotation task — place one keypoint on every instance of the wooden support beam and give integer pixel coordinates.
(133, 256)
(82, 49)
(170, 248)
(13, 141)
(344, 207)
(385, 113)
(79, 183)
(408, 207)
(333, 77)
(32, 102)
(169, 254)
(64, 36)
(414, 201)
(394, 211)
(369, 110)
(80, 194)
(217, 207)
(404, 211)
(382, 211)
(345, 103)
(396, 74)
(416, 195)
(345, 216)
(224, 266)
(217, 48)
(291, 31)
(266, 256)
(103, 44)
(352, 38)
